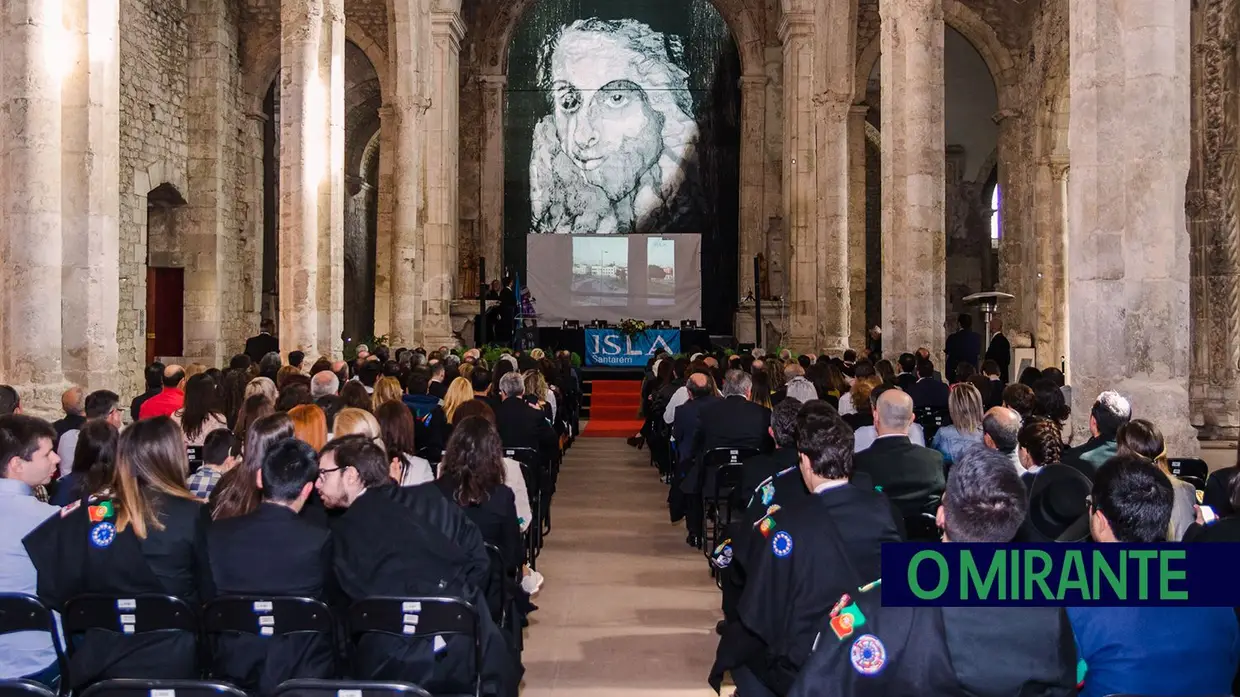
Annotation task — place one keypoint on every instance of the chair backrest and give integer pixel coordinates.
(266, 616)
(921, 527)
(498, 576)
(720, 457)
(421, 617)
(161, 688)
(931, 419)
(133, 615)
(529, 456)
(194, 454)
(20, 612)
(1184, 467)
(24, 688)
(347, 688)
(431, 454)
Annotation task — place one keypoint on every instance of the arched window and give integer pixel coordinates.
(996, 227)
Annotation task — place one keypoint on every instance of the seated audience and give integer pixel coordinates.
(263, 386)
(864, 436)
(965, 407)
(788, 593)
(1020, 399)
(73, 404)
(148, 537)
(309, 425)
(1030, 375)
(459, 392)
(684, 497)
(928, 391)
(237, 492)
(273, 551)
(94, 463)
(859, 398)
(1110, 411)
(1038, 445)
(26, 461)
(513, 477)
(218, 458)
(397, 432)
(169, 399)
(255, 407)
(910, 475)
(1001, 432)
(154, 385)
(437, 385)
(906, 376)
(100, 404)
(201, 412)
(1148, 650)
(520, 424)
(1141, 437)
(387, 389)
(429, 418)
(324, 384)
(354, 396)
(409, 541)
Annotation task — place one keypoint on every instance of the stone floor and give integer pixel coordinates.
(627, 608)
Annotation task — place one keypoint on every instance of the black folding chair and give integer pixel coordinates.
(24, 688)
(496, 581)
(1192, 470)
(348, 688)
(124, 687)
(717, 459)
(931, 419)
(265, 617)
(922, 527)
(194, 454)
(537, 476)
(421, 617)
(20, 612)
(139, 614)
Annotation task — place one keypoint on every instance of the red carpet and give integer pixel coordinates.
(613, 409)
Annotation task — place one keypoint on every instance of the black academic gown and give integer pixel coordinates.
(71, 561)
(400, 542)
(795, 576)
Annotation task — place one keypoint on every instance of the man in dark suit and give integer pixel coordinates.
(685, 426)
(521, 424)
(1110, 411)
(907, 376)
(964, 345)
(264, 343)
(274, 552)
(1000, 349)
(802, 561)
(438, 386)
(993, 396)
(910, 475)
(928, 391)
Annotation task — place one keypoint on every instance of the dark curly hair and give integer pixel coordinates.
(473, 461)
(1043, 441)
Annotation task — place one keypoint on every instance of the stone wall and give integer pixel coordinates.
(154, 150)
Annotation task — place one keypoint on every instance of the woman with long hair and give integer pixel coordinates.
(760, 392)
(237, 492)
(536, 389)
(146, 536)
(255, 407)
(357, 422)
(232, 387)
(886, 371)
(94, 464)
(459, 392)
(202, 412)
(353, 394)
(387, 389)
(1142, 437)
(513, 476)
(965, 406)
(396, 429)
(309, 425)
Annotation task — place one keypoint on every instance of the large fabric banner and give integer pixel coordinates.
(610, 347)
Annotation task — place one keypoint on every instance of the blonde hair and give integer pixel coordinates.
(150, 458)
(459, 392)
(351, 421)
(965, 406)
(861, 389)
(309, 425)
(387, 389)
(535, 384)
(263, 386)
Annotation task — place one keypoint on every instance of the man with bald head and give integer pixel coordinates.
(702, 394)
(73, 402)
(169, 399)
(909, 474)
(1001, 428)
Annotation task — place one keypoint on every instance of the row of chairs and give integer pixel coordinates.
(411, 617)
(125, 687)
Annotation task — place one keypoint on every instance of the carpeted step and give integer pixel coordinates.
(613, 409)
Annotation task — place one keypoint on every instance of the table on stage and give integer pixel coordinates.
(556, 339)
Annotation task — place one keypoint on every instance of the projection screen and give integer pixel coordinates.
(614, 277)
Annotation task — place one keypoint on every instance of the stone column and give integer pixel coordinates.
(31, 39)
(1128, 244)
(753, 180)
(914, 176)
(383, 222)
(331, 186)
(1018, 250)
(491, 211)
(796, 33)
(90, 196)
(442, 178)
(303, 166)
(832, 243)
(1050, 259)
(856, 225)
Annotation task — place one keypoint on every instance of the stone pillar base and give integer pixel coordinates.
(43, 400)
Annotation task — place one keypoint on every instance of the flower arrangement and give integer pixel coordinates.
(632, 327)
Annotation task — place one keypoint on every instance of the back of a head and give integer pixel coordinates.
(1019, 398)
(293, 395)
(95, 454)
(784, 422)
(9, 401)
(363, 455)
(965, 320)
(370, 372)
(295, 358)
(237, 493)
(793, 370)
(270, 363)
(1048, 401)
(352, 421)
(1135, 497)
(1141, 437)
(850, 356)
(150, 457)
(353, 394)
(287, 469)
(824, 438)
(154, 375)
(964, 371)
(1110, 411)
(396, 428)
(1042, 439)
(511, 384)
(865, 369)
(908, 363)
(473, 460)
(877, 394)
(72, 400)
(20, 436)
(1003, 427)
(218, 445)
(990, 367)
(420, 380)
(323, 384)
(474, 407)
(985, 500)
(309, 424)
(1030, 375)
(964, 404)
(895, 411)
(736, 383)
(1053, 374)
(387, 389)
(173, 375)
(239, 362)
(700, 385)
(101, 403)
(480, 380)
(925, 369)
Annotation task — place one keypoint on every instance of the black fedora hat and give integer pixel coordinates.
(1057, 504)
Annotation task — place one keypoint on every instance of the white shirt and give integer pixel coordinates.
(846, 405)
(832, 484)
(865, 436)
(66, 450)
(680, 396)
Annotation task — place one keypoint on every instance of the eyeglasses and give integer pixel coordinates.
(323, 471)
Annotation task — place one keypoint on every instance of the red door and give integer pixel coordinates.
(165, 304)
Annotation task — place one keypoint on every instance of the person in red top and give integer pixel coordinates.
(169, 399)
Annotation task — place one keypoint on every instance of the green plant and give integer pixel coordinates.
(350, 346)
